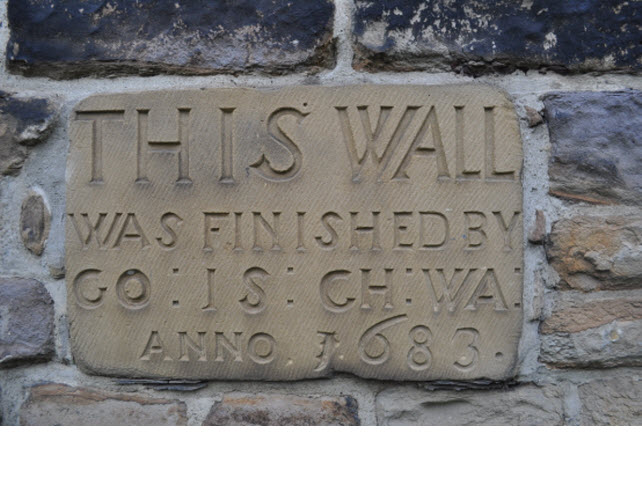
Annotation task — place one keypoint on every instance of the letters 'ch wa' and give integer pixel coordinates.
(279, 235)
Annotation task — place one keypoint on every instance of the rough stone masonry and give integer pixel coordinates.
(570, 69)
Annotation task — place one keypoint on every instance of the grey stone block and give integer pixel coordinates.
(524, 405)
(596, 153)
(24, 121)
(26, 321)
(615, 401)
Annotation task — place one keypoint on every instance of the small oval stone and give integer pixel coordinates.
(35, 220)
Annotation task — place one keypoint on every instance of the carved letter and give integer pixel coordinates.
(418, 150)
(372, 139)
(154, 346)
(449, 294)
(137, 234)
(357, 230)
(478, 229)
(93, 230)
(133, 289)
(490, 154)
(460, 150)
(329, 344)
(179, 147)
(210, 291)
(488, 291)
(261, 348)
(208, 218)
(273, 230)
(367, 289)
(169, 245)
(233, 348)
(264, 167)
(255, 300)
(85, 300)
(186, 342)
(327, 301)
(227, 146)
(507, 230)
(332, 242)
(97, 118)
(401, 228)
(423, 219)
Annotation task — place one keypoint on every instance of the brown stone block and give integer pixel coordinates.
(58, 404)
(593, 314)
(597, 253)
(248, 409)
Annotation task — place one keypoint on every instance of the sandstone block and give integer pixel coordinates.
(524, 405)
(26, 321)
(615, 401)
(294, 233)
(58, 404)
(24, 121)
(274, 409)
(597, 253)
(595, 139)
(586, 315)
(500, 36)
(618, 343)
(69, 39)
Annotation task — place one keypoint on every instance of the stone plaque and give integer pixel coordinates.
(288, 234)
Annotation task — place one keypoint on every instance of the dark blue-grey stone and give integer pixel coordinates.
(596, 146)
(73, 38)
(477, 37)
(26, 121)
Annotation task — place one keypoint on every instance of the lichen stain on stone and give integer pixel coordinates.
(504, 34)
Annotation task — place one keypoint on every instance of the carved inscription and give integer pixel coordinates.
(240, 234)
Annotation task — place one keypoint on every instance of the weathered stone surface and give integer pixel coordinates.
(533, 117)
(502, 35)
(287, 234)
(615, 401)
(597, 253)
(35, 220)
(23, 122)
(74, 38)
(537, 235)
(59, 404)
(524, 405)
(585, 315)
(26, 321)
(615, 344)
(596, 154)
(274, 409)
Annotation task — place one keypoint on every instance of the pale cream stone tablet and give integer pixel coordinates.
(288, 234)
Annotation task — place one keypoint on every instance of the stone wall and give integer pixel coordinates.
(572, 70)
